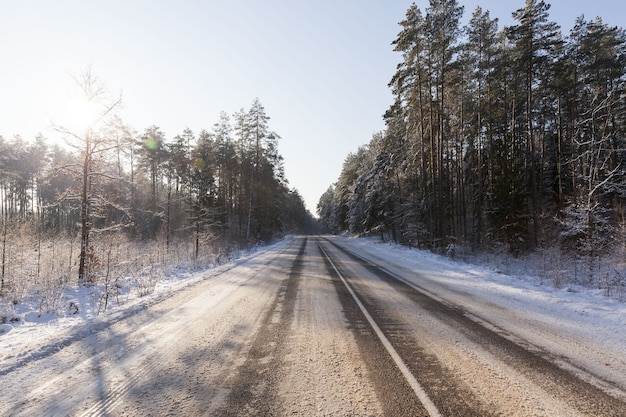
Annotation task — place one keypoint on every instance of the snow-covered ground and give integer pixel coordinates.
(526, 291)
(577, 327)
(28, 335)
(585, 315)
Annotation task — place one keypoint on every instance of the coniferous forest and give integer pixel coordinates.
(501, 139)
(109, 204)
(505, 140)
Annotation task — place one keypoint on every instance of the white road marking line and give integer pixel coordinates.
(417, 388)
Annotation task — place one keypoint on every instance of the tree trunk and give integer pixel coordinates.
(4, 253)
(83, 266)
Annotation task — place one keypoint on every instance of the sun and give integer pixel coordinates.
(74, 108)
(76, 113)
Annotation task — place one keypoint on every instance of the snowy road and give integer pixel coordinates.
(321, 327)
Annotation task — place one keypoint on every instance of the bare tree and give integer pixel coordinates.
(92, 146)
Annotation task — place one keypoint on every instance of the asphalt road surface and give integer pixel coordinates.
(312, 329)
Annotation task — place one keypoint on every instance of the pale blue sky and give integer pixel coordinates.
(319, 67)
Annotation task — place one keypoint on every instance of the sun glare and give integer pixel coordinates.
(77, 114)
(68, 108)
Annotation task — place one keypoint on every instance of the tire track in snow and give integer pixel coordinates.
(255, 385)
(530, 362)
(419, 392)
(115, 396)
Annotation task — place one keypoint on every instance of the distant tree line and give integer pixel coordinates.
(221, 187)
(512, 137)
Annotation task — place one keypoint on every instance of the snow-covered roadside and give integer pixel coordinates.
(586, 305)
(576, 323)
(577, 326)
(37, 335)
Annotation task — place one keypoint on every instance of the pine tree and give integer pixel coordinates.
(483, 50)
(597, 161)
(151, 152)
(535, 40)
